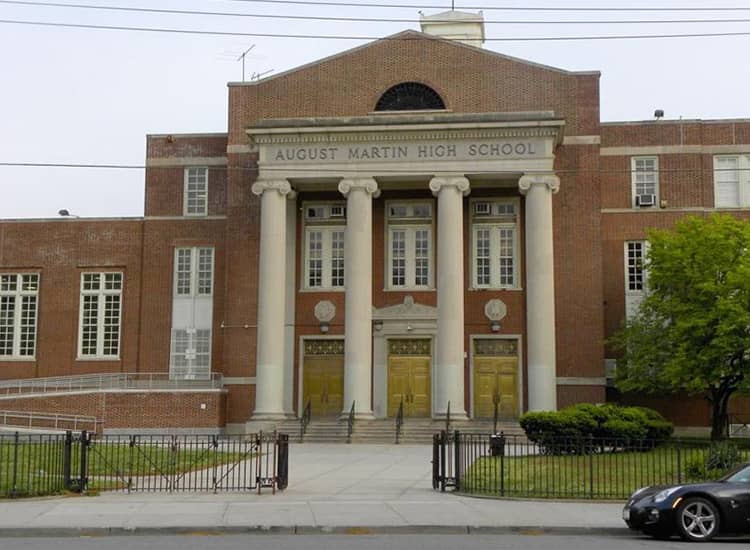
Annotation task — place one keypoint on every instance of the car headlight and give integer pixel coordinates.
(666, 493)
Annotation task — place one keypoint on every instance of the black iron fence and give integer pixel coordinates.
(513, 466)
(51, 463)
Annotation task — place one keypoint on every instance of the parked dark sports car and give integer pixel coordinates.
(697, 512)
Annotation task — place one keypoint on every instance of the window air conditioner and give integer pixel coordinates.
(482, 208)
(645, 200)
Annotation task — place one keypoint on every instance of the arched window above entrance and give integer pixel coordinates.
(410, 96)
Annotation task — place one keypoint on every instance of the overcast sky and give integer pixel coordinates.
(91, 96)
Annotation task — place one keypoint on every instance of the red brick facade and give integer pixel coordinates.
(592, 217)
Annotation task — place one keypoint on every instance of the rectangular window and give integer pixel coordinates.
(101, 304)
(18, 314)
(324, 246)
(194, 271)
(645, 181)
(635, 276)
(190, 357)
(196, 191)
(494, 244)
(409, 245)
(731, 181)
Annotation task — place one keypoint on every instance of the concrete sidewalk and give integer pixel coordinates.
(332, 488)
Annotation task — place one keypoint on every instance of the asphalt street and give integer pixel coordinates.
(358, 542)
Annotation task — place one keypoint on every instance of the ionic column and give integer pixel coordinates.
(358, 288)
(540, 290)
(269, 369)
(449, 359)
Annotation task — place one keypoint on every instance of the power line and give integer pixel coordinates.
(363, 19)
(489, 8)
(344, 37)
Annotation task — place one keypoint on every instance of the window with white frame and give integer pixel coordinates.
(192, 313)
(194, 271)
(409, 245)
(645, 181)
(18, 315)
(494, 230)
(325, 225)
(101, 304)
(636, 276)
(731, 181)
(196, 191)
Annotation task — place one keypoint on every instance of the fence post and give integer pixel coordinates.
(502, 465)
(282, 456)
(457, 455)
(679, 462)
(67, 448)
(83, 483)
(590, 452)
(14, 491)
(443, 437)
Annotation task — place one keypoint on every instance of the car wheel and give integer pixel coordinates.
(697, 520)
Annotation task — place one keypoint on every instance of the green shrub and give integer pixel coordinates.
(723, 456)
(625, 430)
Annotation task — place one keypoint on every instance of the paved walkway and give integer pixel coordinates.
(332, 488)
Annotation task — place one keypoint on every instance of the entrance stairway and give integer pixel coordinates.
(414, 431)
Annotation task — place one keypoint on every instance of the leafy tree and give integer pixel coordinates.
(692, 333)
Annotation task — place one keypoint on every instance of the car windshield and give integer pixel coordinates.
(739, 475)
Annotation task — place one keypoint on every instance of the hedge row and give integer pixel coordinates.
(583, 421)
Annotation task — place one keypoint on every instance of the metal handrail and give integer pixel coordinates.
(105, 381)
(399, 419)
(305, 419)
(27, 419)
(448, 418)
(741, 420)
(350, 424)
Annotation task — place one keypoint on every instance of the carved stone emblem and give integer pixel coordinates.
(325, 311)
(495, 310)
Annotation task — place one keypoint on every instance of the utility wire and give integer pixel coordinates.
(355, 170)
(364, 19)
(486, 8)
(344, 37)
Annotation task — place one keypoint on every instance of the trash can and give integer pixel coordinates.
(497, 445)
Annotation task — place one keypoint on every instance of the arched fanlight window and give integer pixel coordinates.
(410, 96)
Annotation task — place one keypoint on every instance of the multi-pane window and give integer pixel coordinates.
(645, 181)
(410, 245)
(732, 181)
(324, 246)
(635, 275)
(194, 271)
(18, 314)
(101, 304)
(190, 356)
(494, 244)
(196, 191)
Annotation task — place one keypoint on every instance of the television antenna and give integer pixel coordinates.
(258, 76)
(242, 57)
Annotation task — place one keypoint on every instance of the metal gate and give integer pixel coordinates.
(169, 463)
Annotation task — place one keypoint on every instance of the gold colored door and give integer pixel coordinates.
(495, 380)
(323, 385)
(409, 379)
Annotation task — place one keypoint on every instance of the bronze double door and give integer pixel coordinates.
(323, 384)
(495, 381)
(409, 381)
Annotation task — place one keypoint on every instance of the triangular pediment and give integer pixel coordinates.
(409, 309)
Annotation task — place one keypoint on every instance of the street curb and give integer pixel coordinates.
(69, 532)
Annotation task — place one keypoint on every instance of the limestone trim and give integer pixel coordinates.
(409, 309)
(582, 140)
(461, 183)
(185, 161)
(238, 380)
(581, 381)
(282, 186)
(625, 151)
(368, 185)
(527, 180)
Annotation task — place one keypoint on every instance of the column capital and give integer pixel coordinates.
(527, 180)
(459, 182)
(282, 186)
(368, 185)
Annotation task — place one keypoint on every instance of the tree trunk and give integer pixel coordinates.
(720, 414)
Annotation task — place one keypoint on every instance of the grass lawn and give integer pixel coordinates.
(600, 476)
(39, 465)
